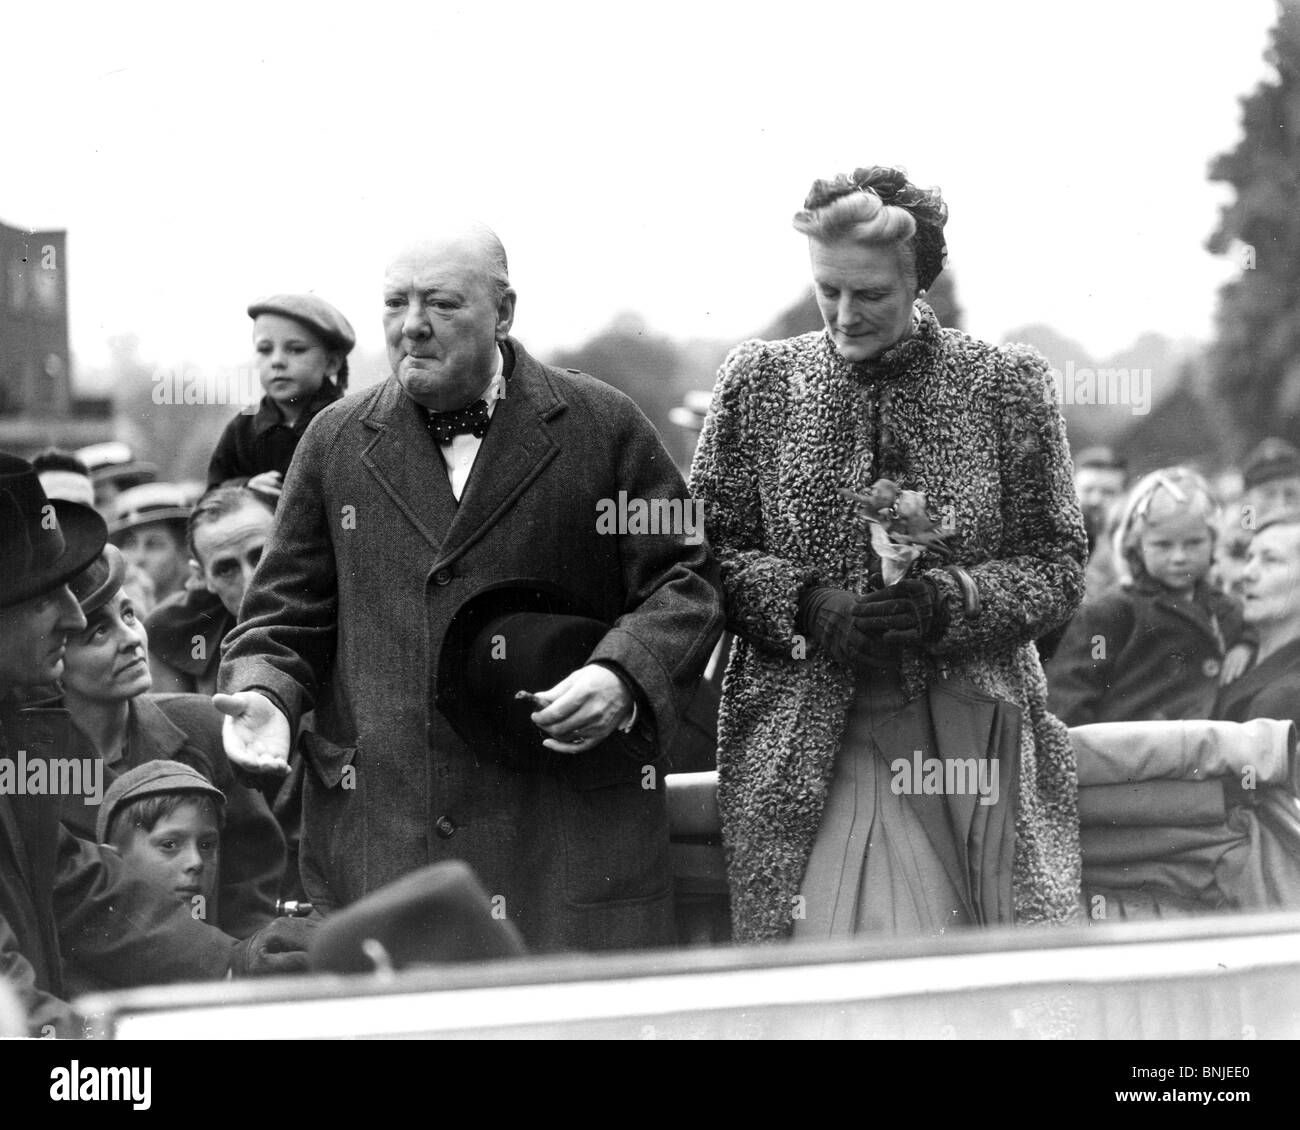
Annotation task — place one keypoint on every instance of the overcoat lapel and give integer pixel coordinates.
(406, 462)
(519, 443)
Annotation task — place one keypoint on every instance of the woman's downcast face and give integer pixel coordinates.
(864, 297)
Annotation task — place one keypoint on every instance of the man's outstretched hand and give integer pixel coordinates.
(255, 733)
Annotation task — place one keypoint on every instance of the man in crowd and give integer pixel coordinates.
(472, 465)
(1271, 476)
(1100, 478)
(62, 897)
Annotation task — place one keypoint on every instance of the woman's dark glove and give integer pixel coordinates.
(832, 619)
(278, 947)
(906, 614)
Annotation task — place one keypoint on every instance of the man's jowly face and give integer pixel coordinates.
(229, 549)
(442, 321)
(34, 635)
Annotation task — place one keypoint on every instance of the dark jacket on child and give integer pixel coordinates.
(1139, 653)
(262, 441)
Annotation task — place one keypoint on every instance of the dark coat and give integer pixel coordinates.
(370, 557)
(974, 427)
(64, 898)
(187, 728)
(1155, 658)
(1270, 689)
(185, 634)
(262, 441)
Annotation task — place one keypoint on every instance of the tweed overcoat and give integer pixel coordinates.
(369, 559)
(977, 429)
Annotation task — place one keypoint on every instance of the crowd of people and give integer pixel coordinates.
(1193, 599)
(389, 631)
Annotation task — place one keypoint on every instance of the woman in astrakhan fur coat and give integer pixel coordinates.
(830, 662)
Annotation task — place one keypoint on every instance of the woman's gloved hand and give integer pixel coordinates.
(906, 614)
(832, 619)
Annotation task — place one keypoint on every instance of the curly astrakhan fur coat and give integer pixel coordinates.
(976, 427)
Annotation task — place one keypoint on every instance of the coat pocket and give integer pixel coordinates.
(616, 844)
(332, 847)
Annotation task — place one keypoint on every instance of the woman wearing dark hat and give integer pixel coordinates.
(838, 676)
(105, 680)
(301, 345)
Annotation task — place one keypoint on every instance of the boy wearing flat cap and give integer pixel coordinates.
(301, 346)
(106, 685)
(62, 897)
(164, 819)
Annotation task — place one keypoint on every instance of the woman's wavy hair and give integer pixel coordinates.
(1186, 488)
(880, 206)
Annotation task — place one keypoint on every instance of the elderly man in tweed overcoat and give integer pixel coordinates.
(402, 502)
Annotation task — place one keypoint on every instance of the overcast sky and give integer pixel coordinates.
(639, 157)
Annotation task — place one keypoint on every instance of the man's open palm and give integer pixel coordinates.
(255, 733)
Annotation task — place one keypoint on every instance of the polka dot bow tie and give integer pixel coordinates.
(472, 420)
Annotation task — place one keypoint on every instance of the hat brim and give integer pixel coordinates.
(98, 597)
(135, 521)
(135, 473)
(84, 536)
(478, 728)
(328, 339)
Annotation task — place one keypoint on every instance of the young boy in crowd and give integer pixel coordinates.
(1153, 646)
(301, 346)
(164, 819)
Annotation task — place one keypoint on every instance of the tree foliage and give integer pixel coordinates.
(1256, 354)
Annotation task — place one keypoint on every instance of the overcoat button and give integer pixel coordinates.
(1211, 667)
(445, 827)
(442, 577)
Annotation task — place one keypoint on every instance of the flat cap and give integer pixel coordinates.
(153, 778)
(314, 313)
(1272, 459)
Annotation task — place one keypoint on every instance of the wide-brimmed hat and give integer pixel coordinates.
(96, 583)
(115, 462)
(512, 635)
(440, 913)
(43, 543)
(149, 503)
(526, 634)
